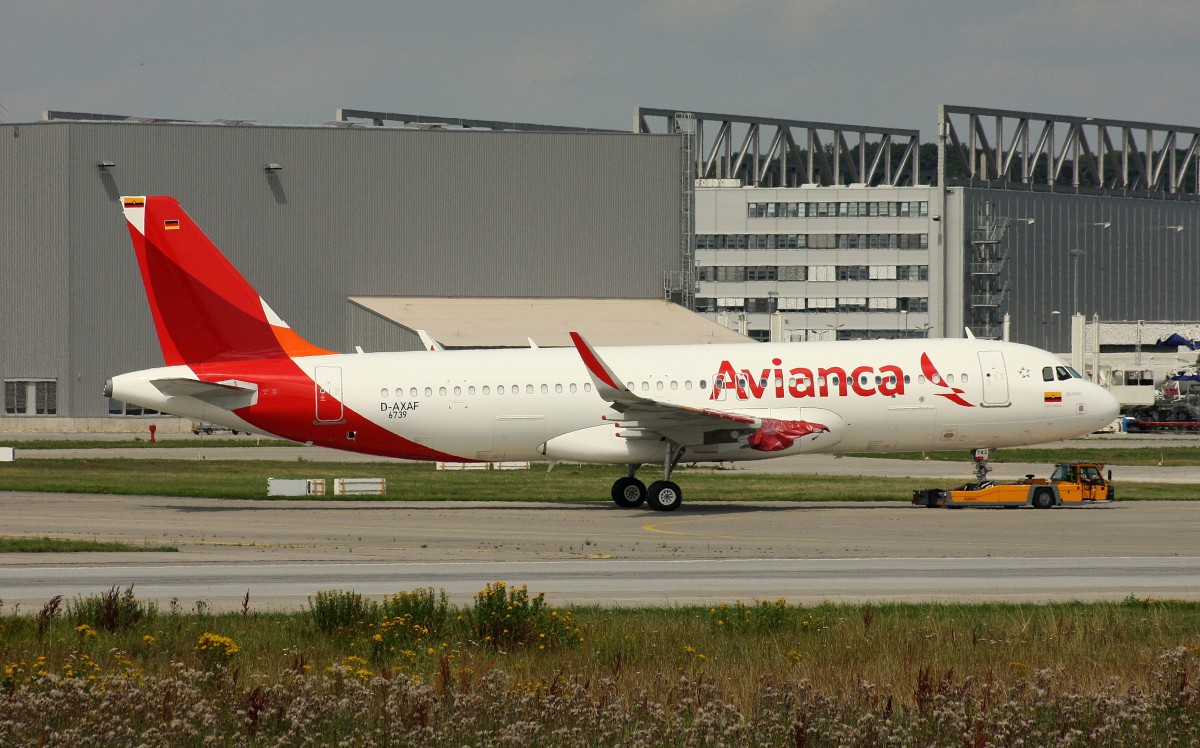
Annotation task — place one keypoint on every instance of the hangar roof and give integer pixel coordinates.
(509, 322)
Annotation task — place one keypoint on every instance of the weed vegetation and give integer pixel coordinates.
(509, 668)
(47, 544)
(247, 479)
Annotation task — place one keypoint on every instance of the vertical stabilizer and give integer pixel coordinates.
(203, 309)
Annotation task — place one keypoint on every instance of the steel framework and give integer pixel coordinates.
(378, 119)
(797, 153)
(1024, 150)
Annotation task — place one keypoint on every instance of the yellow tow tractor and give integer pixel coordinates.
(1071, 484)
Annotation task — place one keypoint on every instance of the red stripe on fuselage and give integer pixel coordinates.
(287, 407)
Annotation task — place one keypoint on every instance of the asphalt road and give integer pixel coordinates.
(284, 551)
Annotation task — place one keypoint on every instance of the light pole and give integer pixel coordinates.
(1075, 255)
(904, 314)
(1045, 331)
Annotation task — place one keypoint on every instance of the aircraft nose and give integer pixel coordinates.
(1105, 406)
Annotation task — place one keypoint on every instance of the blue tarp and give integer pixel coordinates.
(1175, 340)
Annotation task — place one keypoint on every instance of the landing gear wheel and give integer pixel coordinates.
(1043, 499)
(629, 493)
(664, 496)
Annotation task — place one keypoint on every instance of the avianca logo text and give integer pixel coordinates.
(801, 382)
(863, 381)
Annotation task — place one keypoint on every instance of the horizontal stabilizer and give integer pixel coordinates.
(230, 394)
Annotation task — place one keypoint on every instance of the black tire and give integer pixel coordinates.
(208, 432)
(629, 493)
(1043, 498)
(664, 496)
(234, 433)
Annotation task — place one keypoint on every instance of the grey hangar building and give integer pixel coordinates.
(1037, 228)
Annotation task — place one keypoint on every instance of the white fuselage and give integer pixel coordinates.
(522, 404)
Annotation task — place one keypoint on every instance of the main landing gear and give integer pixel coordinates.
(663, 495)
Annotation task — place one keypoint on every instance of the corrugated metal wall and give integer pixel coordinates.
(35, 270)
(1142, 266)
(352, 212)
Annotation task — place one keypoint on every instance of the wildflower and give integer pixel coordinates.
(148, 639)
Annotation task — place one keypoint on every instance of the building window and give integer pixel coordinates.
(852, 304)
(30, 397)
(912, 272)
(118, 408)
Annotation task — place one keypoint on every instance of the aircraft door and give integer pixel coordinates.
(995, 379)
(327, 387)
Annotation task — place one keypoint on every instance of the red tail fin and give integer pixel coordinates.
(204, 310)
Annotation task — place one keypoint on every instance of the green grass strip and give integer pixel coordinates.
(46, 544)
(247, 479)
(1132, 456)
(139, 442)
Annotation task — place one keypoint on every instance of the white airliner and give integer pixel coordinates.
(231, 360)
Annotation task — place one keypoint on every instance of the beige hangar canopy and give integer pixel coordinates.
(510, 322)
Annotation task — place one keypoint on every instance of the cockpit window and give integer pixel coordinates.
(1074, 373)
(1048, 374)
(1063, 372)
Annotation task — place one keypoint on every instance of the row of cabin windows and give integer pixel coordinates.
(855, 209)
(834, 380)
(645, 386)
(812, 241)
(515, 389)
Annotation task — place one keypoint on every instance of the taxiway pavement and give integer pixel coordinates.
(284, 551)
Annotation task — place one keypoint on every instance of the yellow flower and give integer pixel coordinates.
(148, 639)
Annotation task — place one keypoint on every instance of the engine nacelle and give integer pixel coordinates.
(603, 444)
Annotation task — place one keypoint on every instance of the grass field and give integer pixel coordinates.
(1143, 456)
(420, 482)
(413, 670)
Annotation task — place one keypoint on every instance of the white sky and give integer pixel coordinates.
(591, 63)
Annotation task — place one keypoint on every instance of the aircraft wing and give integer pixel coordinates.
(428, 341)
(686, 424)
